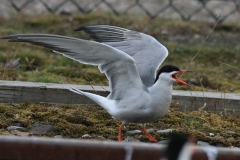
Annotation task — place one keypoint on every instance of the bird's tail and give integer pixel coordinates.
(102, 101)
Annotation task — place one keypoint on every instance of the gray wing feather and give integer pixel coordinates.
(118, 66)
(147, 52)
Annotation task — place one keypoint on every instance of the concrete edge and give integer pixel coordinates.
(16, 91)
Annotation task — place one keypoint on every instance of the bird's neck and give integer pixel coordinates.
(161, 94)
(161, 86)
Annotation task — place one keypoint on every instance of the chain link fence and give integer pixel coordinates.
(185, 9)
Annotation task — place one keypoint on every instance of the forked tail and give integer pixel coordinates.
(102, 101)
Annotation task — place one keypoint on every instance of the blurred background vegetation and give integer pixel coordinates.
(25, 62)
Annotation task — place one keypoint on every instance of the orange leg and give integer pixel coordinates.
(119, 134)
(149, 136)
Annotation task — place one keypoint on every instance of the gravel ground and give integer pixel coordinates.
(153, 6)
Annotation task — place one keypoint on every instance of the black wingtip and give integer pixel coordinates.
(10, 38)
(5, 37)
(14, 36)
(13, 40)
(82, 28)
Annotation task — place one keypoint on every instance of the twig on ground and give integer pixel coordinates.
(5, 68)
(88, 77)
(229, 65)
(201, 109)
(196, 107)
(201, 118)
(200, 79)
(219, 16)
(93, 88)
(223, 98)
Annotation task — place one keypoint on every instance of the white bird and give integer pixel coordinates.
(130, 61)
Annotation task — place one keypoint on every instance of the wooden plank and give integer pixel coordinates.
(16, 91)
(12, 91)
(215, 101)
(27, 148)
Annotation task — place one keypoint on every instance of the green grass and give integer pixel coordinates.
(183, 40)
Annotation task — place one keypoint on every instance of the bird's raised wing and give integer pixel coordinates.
(118, 66)
(147, 52)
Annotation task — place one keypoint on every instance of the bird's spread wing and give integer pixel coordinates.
(118, 66)
(147, 52)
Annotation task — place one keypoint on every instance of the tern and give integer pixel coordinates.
(130, 61)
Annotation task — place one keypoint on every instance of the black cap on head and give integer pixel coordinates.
(166, 69)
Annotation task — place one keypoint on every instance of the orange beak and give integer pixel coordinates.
(174, 76)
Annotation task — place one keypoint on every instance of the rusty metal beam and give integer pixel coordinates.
(29, 148)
